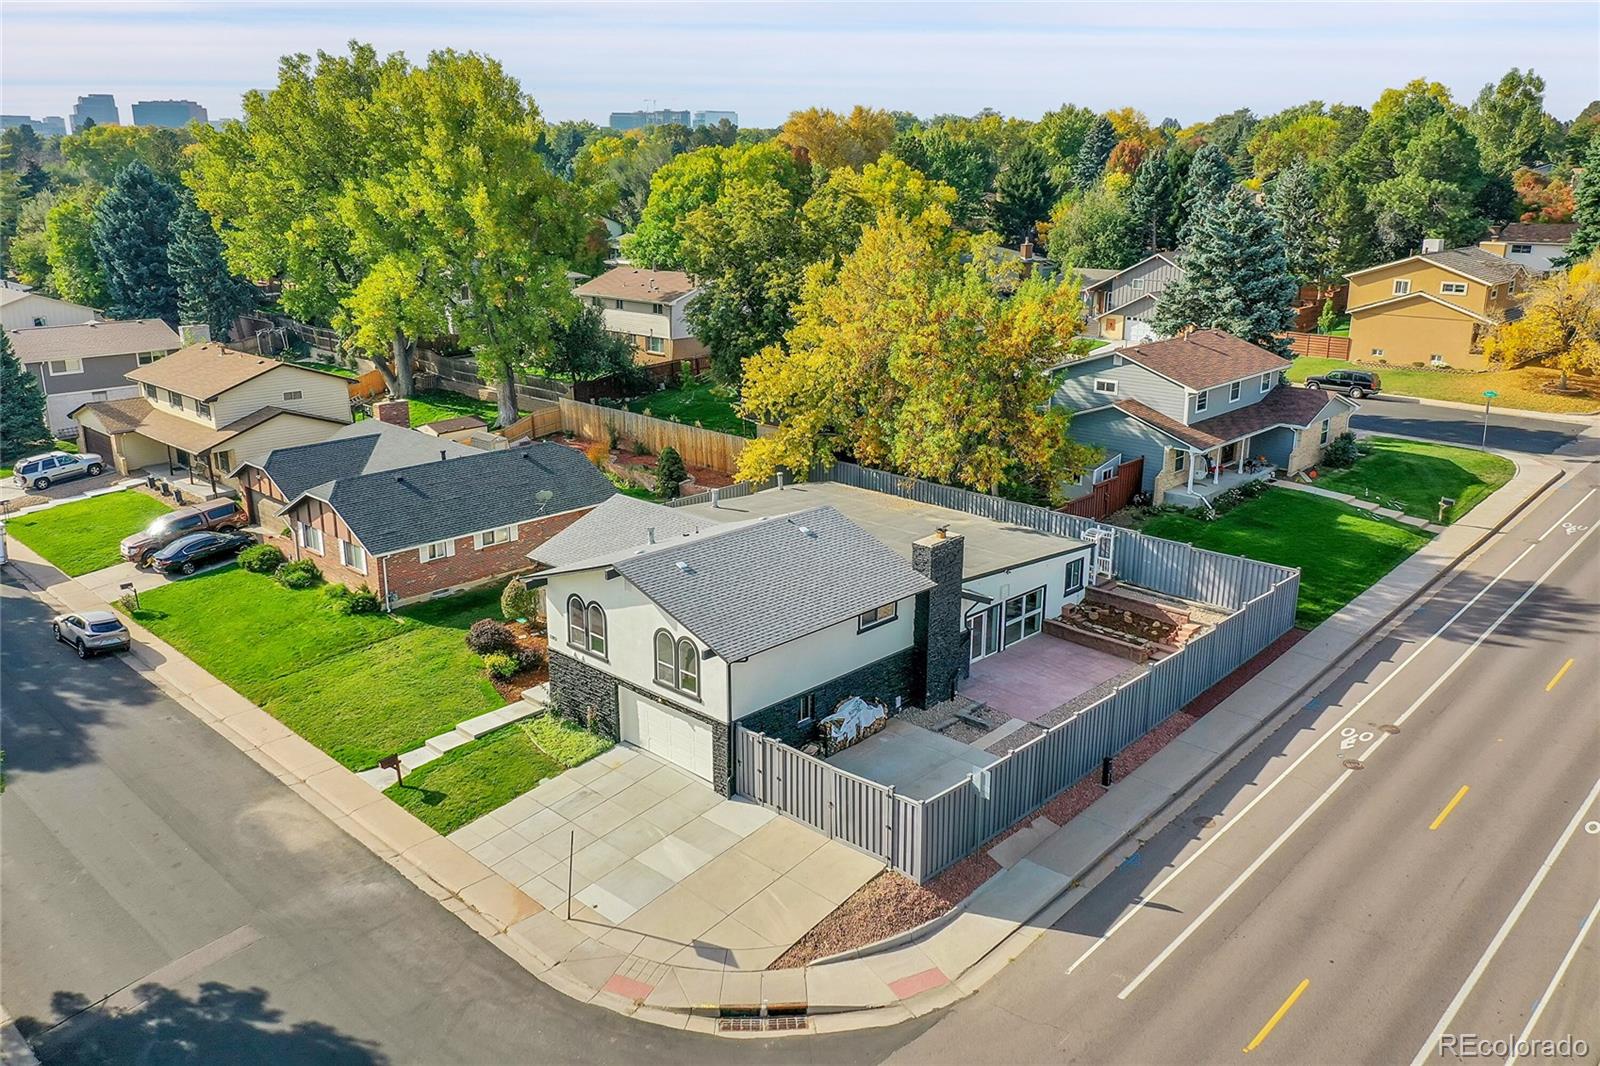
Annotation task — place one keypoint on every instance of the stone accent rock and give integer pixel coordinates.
(584, 693)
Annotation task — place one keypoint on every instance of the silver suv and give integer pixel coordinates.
(40, 471)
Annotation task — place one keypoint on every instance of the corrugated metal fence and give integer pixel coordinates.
(923, 837)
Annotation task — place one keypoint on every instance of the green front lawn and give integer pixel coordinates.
(1414, 476)
(357, 686)
(476, 778)
(82, 536)
(703, 403)
(1341, 550)
(331, 368)
(1521, 389)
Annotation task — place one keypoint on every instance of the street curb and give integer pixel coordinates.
(1570, 418)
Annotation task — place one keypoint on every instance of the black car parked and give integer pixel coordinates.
(1353, 383)
(187, 554)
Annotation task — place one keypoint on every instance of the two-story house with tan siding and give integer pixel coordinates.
(207, 408)
(647, 308)
(1432, 308)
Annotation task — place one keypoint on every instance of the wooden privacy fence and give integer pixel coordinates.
(1110, 495)
(1322, 345)
(545, 420)
(698, 447)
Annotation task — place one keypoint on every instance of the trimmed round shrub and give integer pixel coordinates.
(528, 659)
(518, 600)
(488, 636)
(300, 574)
(1342, 451)
(500, 665)
(261, 558)
(361, 601)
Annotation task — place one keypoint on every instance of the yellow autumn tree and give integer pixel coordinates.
(834, 140)
(1559, 325)
(906, 356)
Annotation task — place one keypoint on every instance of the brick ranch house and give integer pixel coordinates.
(412, 516)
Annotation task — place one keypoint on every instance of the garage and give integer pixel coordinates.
(98, 443)
(666, 733)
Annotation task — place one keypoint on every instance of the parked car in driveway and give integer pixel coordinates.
(187, 554)
(1353, 383)
(213, 515)
(42, 471)
(90, 632)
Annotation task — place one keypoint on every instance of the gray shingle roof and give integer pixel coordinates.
(1476, 263)
(764, 583)
(364, 447)
(620, 525)
(402, 508)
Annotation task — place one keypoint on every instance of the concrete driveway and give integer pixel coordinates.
(918, 762)
(14, 497)
(663, 867)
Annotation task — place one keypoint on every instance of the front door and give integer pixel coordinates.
(984, 632)
(1230, 453)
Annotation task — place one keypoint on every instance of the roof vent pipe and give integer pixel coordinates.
(781, 479)
(716, 497)
(442, 455)
(650, 534)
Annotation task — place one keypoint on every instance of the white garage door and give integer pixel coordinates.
(666, 733)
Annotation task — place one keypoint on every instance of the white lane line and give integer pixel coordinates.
(1430, 1046)
(1568, 515)
(1550, 989)
(1211, 908)
(1138, 904)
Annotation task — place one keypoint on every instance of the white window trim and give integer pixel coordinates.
(424, 553)
(1402, 286)
(347, 548)
(655, 345)
(1099, 384)
(1266, 382)
(1235, 390)
(294, 394)
(310, 537)
(1522, 249)
(490, 537)
(1202, 400)
(1452, 288)
(1377, 351)
(68, 367)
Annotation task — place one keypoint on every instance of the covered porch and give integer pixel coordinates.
(1214, 470)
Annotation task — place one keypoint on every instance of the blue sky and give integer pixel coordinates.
(1189, 61)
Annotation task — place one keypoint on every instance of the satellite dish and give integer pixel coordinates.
(544, 495)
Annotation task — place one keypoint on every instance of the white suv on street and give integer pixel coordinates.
(40, 471)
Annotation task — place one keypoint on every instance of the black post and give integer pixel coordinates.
(1105, 771)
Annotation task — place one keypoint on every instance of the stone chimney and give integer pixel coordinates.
(394, 412)
(941, 641)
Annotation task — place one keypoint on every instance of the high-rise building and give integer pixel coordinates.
(172, 114)
(49, 126)
(99, 108)
(632, 120)
(711, 118)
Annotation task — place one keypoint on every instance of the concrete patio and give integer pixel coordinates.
(662, 867)
(1033, 678)
(918, 762)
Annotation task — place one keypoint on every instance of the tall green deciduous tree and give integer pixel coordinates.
(1293, 201)
(1510, 124)
(75, 271)
(1435, 192)
(582, 349)
(1586, 238)
(1090, 162)
(1024, 193)
(965, 164)
(1209, 179)
(1060, 134)
(1153, 200)
(1235, 277)
(290, 184)
(695, 179)
(132, 225)
(1095, 229)
(1351, 226)
(207, 290)
(22, 422)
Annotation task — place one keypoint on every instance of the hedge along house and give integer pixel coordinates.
(670, 625)
(411, 528)
(1207, 411)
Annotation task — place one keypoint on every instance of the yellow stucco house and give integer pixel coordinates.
(1432, 308)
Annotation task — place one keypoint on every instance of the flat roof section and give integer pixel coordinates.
(990, 547)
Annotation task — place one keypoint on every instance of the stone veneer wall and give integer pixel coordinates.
(893, 676)
(939, 631)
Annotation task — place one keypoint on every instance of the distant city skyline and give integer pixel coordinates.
(766, 61)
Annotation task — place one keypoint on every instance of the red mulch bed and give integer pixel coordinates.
(527, 637)
(628, 465)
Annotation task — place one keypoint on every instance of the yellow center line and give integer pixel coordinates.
(1559, 675)
(1277, 1017)
(1448, 807)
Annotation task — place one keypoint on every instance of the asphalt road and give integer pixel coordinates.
(1361, 908)
(1507, 431)
(164, 899)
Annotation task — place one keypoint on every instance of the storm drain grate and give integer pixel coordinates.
(774, 1024)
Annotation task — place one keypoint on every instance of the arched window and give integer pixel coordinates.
(688, 667)
(666, 669)
(597, 629)
(577, 623)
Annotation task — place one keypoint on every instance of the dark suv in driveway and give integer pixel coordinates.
(211, 515)
(1353, 383)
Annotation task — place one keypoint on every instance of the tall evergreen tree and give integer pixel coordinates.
(1024, 192)
(1095, 151)
(1152, 200)
(207, 291)
(1293, 202)
(1586, 238)
(1235, 276)
(132, 225)
(1352, 227)
(1210, 178)
(22, 423)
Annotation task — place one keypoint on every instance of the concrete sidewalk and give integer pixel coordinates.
(1046, 869)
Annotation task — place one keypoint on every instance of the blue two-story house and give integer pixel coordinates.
(1206, 411)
